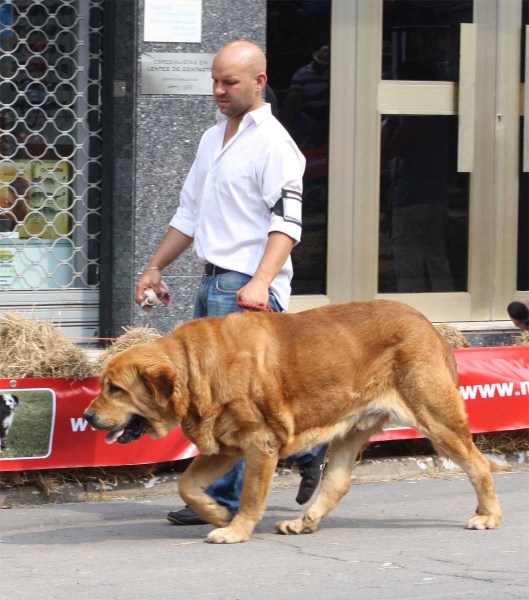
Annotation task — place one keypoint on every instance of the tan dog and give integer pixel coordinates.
(266, 386)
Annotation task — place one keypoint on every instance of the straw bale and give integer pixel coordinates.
(30, 348)
(452, 335)
(501, 442)
(52, 481)
(131, 337)
(522, 339)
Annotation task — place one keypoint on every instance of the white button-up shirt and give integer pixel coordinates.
(226, 201)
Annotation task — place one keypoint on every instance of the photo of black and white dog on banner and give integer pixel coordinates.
(8, 404)
(26, 421)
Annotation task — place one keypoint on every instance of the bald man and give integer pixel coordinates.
(240, 208)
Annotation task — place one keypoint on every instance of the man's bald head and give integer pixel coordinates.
(244, 55)
(239, 76)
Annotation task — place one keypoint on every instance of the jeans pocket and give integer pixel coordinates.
(231, 282)
(272, 302)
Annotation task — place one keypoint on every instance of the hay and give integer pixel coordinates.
(131, 337)
(522, 339)
(452, 335)
(30, 348)
(503, 442)
(51, 482)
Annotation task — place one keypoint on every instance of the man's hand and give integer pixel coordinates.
(150, 279)
(277, 251)
(254, 292)
(172, 246)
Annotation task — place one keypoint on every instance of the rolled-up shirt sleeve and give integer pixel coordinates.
(281, 168)
(185, 217)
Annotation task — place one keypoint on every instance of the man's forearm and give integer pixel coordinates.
(277, 251)
(172, 246)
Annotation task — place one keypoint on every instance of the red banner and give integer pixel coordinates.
(494, 382)
(47, 429)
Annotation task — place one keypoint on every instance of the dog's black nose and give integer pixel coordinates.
(89, 416)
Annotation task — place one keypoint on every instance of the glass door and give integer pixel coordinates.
(437, 213)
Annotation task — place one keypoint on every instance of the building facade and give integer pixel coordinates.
(410, 114)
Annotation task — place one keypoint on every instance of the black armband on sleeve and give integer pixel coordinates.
(289, 206)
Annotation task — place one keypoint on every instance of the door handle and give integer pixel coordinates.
(467, 97)
(526, 106)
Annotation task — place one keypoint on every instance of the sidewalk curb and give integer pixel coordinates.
(166, 484)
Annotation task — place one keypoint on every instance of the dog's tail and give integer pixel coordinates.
(494, 466)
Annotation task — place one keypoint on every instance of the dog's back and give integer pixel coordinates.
(332, 366)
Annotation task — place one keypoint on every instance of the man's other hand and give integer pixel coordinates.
(150, 279)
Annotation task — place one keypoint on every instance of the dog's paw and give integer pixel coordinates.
(296, 526)
(484, 522)
(226, 535)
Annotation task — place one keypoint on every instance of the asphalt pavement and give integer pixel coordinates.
(394, 540)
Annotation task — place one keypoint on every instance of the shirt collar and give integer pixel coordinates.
(258, 115)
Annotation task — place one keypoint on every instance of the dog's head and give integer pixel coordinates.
(10, 401)
(141, 392)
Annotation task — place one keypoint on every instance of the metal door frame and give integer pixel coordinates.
(358, 95)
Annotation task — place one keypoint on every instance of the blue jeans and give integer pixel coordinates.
(217, 298)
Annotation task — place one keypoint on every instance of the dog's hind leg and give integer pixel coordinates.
(445, 424)
(343, 454)
(192, 486)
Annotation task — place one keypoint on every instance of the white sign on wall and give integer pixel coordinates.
(176, 73)
(173, 21)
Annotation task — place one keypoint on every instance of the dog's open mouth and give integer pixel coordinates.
(133, 431)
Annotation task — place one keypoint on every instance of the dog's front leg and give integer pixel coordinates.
(200, 474)
(261, 461)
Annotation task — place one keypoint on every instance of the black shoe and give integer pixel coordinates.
(311, 473)
(186, 516)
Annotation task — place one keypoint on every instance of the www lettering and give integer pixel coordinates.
(79, 424)
(490, 390)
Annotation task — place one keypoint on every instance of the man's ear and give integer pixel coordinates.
(160, 379)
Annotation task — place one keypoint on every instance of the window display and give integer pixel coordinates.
(50, 143)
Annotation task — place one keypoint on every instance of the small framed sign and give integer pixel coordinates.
(176, 73)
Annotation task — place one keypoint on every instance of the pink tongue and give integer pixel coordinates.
(113, 436)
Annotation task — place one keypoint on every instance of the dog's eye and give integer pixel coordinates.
(114, 389)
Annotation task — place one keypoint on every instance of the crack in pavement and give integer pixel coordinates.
(466, 576)
(457, 575)
(456, 562)
(301, 550)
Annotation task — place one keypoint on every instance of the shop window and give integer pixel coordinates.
(50, 143)
(424, 200)
(298, 43)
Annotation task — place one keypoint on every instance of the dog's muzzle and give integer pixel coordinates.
(133, 431)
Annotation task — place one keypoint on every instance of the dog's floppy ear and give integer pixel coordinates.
(160, 379)
(15, 398)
